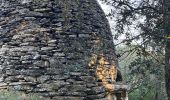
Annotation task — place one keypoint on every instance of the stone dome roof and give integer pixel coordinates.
(46, 47)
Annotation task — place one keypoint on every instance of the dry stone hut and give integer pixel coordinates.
(59, 49)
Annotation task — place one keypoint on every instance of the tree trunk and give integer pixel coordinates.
(167, 68)
(166, 7)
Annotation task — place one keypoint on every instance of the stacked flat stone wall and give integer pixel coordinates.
(46, 46)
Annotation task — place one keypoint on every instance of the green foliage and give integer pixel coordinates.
(147, 76)
(145, 25)
(144, 74)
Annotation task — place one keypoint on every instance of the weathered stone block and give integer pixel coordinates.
(43, 78)
(88, 78)
(42, 63)
(76, 88)
(60, 77)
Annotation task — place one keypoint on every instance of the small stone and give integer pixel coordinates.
(43, 78)
(47, 48)
(24, 44)
(76, 88)
(41, 90)
(52, 45)
(88, 79)
(26, 57)
(94, 97)
(26, 1)
(79, 94)
(58, 29)
(72, 36)
(60, 77)
(21, 87)
(29, 40)
(75, 73)
(42, 63)
(52, 41)
(60, 54)
(59, 24)
(26, 62)
(21, 83)
(1, 79)
(12, 72)
(37, 56)
(99, 90)
(53, 86)
(3, 84)
(42, 10)
(84, 35)
(32, 72)
(30, 79)
(11, 79)
(16, 37)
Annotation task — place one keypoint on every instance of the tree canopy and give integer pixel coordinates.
(149, 19)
